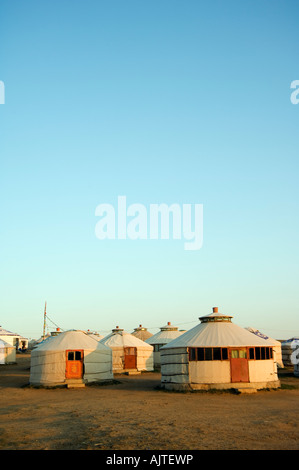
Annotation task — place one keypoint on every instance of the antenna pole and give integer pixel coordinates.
(45, 314)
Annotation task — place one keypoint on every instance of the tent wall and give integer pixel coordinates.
(48, 367)
(144, 359)
(174, 366)
(262, 371)
(10, 355)
(277, 354)
(97, 366)
(7, 353)
(210, 372)
(157, 360)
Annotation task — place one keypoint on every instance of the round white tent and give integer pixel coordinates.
(7, 353)
(68, 358)
(129, 353)
(142, 333)
(166, 334)
(218, 354)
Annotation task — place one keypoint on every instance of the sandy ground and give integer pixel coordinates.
(134, 415)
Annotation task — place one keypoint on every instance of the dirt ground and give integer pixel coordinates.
(134, 414)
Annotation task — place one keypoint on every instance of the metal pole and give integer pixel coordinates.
(45, 314)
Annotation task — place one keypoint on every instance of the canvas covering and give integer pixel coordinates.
(177, 370)
(119, 340)
(7, 353)
(48, 360)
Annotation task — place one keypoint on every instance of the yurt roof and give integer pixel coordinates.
(71, 339)
(95, 336)
(217, 330)
(262, 335)
(142, 333)
(166, 334)
(120, 338)
(4, 344)
(4, 332)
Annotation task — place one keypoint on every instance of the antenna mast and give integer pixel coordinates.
(45, 314)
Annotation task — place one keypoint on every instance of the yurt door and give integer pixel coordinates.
(130, 358)
(74, 364)
(239, 365)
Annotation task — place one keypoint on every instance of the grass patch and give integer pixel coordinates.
(289, 387)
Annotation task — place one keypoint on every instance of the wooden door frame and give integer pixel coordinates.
(135, 355)
(242, 348)
(69, 361)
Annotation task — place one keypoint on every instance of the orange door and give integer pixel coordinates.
(239, 365)
(130, 358)
(74, 364)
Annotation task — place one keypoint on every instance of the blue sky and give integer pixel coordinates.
(163, 102)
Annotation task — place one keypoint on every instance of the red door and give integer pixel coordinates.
(239, 365)
(74, 364)
(130, 358)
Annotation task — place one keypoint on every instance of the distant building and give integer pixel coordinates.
(129, 353)
(166, 334)
(13, 339)
(7, 353)
(142, 333)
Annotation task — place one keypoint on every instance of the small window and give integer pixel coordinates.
(192, 354)
(234, 353)
(70, 356)
(217, 354)
(251, 353)
(224, 354)
(77, 355)
(257, 353)
(242, 353)
(263, 353)
(200, 354)
(208, 354)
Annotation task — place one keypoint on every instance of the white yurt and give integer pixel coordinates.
(277, 353)
(68, 358)
(166, 334)
(7, 353)
(142, 333)
(129, 353)
(13, 338)
(217, 354)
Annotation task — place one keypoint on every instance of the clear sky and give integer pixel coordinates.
(163, 101)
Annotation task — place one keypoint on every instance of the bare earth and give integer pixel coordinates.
(135, 415)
